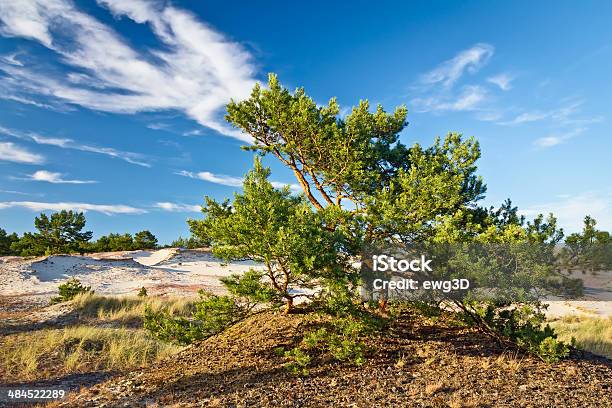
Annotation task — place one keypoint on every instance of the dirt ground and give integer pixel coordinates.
(415, 363)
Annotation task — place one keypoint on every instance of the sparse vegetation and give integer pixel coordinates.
(592, 334)
(128, 309)
(79, 349)
(70, 289)
(212, 313)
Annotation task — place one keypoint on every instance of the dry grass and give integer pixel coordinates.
(127, 309)
(43, 353)
(591, 333)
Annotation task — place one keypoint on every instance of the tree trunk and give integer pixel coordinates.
(289, 305)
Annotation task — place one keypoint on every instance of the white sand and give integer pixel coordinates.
(166, 271)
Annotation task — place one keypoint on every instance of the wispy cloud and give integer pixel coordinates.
(222, 179)
(11, 59)
(196, 70)
(230, 181)
(55, 178)
(158, 126)
(564, 115)
(17, 154)
(557, 139)
(570, 210)
(178, 207)
(65, 143)
(468, 100)
(503, 81)
(470, 60)
(84, 207)
(20, 193)
(437, 87)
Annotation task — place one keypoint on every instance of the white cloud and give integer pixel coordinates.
(64, 143)
(553, 140)
(55, 178)
(468, 100)
(13, 153)
(84, 207)
(196, 70)
(158, 126)
(178, 207)
(502, 80)
(571, 210)
(564, 115)
(11, 59)
(231, 181)
(470, 60)
(20, 193)
(527, 117)
(222, 179)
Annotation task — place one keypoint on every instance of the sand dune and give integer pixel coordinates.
(166, 271)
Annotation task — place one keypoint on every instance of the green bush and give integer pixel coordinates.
(143, 292)
(212, 315)
(521, 325)
(341, 339)
(299, 361)
(68, 290)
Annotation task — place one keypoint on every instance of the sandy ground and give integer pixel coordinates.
(166, 271)
(172, 271)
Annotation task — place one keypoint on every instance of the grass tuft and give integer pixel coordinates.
(128, 309)
(591, 333)
(52, 352)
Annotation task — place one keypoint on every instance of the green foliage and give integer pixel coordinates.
(393, 191)
(340, 339)
(145, 240)
(189, 243)
(279, 230)
(6, 241)
(60, 233)
(122, 242)
(143, 292)
(68, 290)
(250, 287)
(590, 249)
(299, 361)
(212, 315)
(522, 325)
(114, 242)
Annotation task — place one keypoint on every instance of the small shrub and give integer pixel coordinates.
(341, 340)
(68, 290)
(212, 315)
(298, 361)
(522, 325)
(142, 292)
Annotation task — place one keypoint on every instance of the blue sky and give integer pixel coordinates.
(116, 107)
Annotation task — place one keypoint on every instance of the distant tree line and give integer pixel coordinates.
(63, 233)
